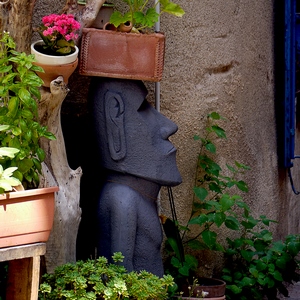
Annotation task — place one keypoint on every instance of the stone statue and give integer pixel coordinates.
(133, 143)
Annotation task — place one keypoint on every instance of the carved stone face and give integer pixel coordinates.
(133, 135)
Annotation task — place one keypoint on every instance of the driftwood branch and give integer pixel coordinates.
(61, 247)
(16, 17)
(86, 14)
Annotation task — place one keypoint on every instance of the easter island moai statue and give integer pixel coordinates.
(138, 157)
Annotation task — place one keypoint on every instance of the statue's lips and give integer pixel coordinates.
(172, 150)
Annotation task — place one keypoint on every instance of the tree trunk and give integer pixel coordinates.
(61, 247)
(16, 17)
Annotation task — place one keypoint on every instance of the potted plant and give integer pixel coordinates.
(97, 279)
(254, 264)
(56, 52)
(20, 132)
(130, 50)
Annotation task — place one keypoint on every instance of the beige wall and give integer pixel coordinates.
(219, 57)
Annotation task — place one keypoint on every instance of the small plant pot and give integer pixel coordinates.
(51, 72)
(214, 287)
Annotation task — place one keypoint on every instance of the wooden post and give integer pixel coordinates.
(23, 270)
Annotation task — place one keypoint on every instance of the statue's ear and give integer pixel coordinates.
(114, 119)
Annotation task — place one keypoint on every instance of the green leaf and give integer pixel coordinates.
(226, 202)
(117, 18)
(171, 8)
(25, 165)
(247, 254)
(234, 288)
(214, 115)
(49, 135)
(8, 151)
(219, 218)
(220, 132)
(148, 19)
(242, 166)
(4, 127)
(200, 193)
(215, 187)
(5, 69)
(210, 147)
(41, 154)
(260, 265)
(199, 220)
(254, 272)
(209, 238)
(242, 186)
(197, 245)
(246, 281)
(25, 96)
(277, 275)
(293, 248)
(232, 223)
(13, 106)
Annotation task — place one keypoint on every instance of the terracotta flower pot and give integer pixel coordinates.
(214, 287)
(115, 54)
(54, 66)
(27, 216)
(53, 71)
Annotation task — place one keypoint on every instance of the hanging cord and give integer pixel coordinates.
(172, 205)
(291, 179)
(292, 182)
(176, 229)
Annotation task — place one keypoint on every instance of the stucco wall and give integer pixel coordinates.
(219, 57)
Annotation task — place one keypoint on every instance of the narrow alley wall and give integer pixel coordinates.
(219, 57)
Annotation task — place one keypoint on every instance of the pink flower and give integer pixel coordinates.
(56, 28)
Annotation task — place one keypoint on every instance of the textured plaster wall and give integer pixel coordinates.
(219, 57)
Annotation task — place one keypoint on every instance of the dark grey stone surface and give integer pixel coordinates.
(132, 137)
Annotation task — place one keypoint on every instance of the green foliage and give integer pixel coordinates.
(97, 279)
(142, 16)
(7, 181)
(255, 265)
(19, 125)
(258, 266)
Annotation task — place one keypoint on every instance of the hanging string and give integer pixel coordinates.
(172, 204)
(292, 182)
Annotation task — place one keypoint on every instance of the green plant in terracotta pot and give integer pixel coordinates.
(19, 124)
(98, 279)
(129, 48)
(254, 264)
(20, 153)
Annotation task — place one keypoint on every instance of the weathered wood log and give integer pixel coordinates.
(16, 17)
(85, 15)
(61, 247)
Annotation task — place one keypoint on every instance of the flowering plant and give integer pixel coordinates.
(59, 33)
